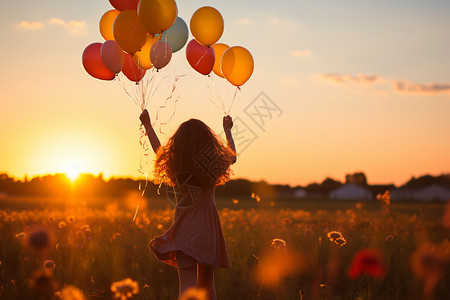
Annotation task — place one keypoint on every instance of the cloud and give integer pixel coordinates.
(243, 21)
(404, 86)
(31, 25)
(74, 27)
(349, 79)
(299, 53)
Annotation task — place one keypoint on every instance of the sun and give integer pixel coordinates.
(72, 171)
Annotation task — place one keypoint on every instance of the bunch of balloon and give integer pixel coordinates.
(204, 54)
(140, 37)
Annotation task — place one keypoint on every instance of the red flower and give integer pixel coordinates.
(367, 262)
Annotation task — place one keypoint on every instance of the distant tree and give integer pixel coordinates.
(426, 180)
(330, 184)
(358, 178)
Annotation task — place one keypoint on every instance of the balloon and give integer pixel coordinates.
(207, 25)
(131, 70)
(129, 32)
(142, 57)
(160, 54)
(219, 49)
(237, 65)
(157, 15)
(92, 63)
(112, 56)
(177, 35)
(200, 57)
(124, 4)
(106, 24)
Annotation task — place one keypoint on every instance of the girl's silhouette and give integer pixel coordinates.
(194, 162)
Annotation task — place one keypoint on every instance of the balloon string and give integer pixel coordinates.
(214, 88)
(206, 51)
(238, 88)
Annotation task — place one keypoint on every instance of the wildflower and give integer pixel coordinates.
(359, 205)
(21, 236)
(286, 221)
(62, 224)
(385, 198)
(159, 226)
(42, 285)
(124, 289)
(235, 201)
(70, 292)
(427, 264)
(39, 239)
(333, 235)
(367, 262)
(194, 294)
(116, 235)
(278, 244)
(70, 219)
(86, 228)
(340, 241)
(389, 238)
(80, 235)
(256, 197)
(49, 265)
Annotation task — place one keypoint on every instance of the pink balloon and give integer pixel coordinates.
(124, 4)
(160, 54)
(131, 70)
(112, 56)
(200, 57)
(93, 64)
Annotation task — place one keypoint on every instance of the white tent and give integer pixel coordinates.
(433, 192)
(351, 191)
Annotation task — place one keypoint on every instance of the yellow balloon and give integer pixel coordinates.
(129, 32)
(142, 57)
(219, 49)
(207, 25)
(237, 65)
(157, 15)
(106, 24)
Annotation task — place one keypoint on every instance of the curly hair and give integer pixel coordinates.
(194, 148)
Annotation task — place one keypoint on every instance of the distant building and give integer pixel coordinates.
(351, 191)
(300, 193)
(432, 192)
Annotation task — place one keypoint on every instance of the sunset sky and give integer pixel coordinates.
(361, 85)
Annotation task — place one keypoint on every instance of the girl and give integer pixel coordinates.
(194, 162)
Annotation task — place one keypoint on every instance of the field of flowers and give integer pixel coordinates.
(278, 250)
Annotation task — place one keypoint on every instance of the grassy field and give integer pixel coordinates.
(93, 243)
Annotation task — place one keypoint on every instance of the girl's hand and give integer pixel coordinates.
(145, 118)
(227, 123)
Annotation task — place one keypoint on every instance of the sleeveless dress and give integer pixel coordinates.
(196, 231)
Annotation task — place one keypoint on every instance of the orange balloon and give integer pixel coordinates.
(142, 57)
(129, 32)
(106, 24)
(157, 15)
(207, 25)
(219, 49)
(237, 65)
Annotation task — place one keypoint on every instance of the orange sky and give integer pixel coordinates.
(356, 92)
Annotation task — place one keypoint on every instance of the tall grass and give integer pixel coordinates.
(94, 247)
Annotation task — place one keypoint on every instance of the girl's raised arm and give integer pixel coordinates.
(145, 119)
(227, 125)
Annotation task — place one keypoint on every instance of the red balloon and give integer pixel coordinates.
(124, 4)
(200, 57)
(93, 64)
(131, 70)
